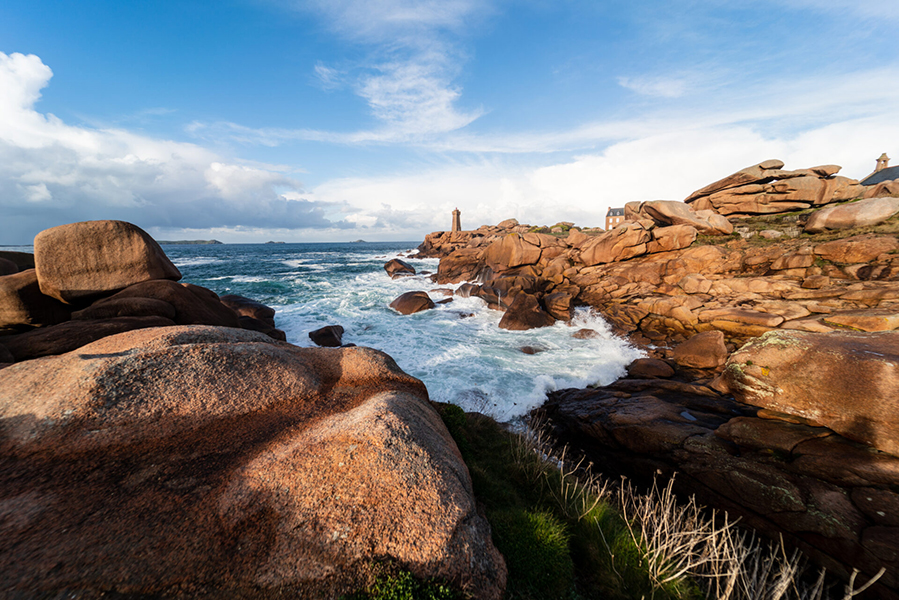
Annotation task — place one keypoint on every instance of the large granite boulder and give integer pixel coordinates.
(754, 174)
(329, 336)
(254, 315)
(857, 249)
(247, 307)
(190, 462)
(464, 264)
(668, 212)
(625, 241)
(511, 251)
(412, 302)
(767, 189)
(672, 237)
(845, 381)
(7, 267)
(71, 335)
(398, 268)
(525, 312)
(855, 214)
(704, 350)
(800, 485)
(81, 261)
(194, 305)
(22, 260)
(22, 303)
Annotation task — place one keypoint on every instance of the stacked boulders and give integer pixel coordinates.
(739, 288)
(766, 188)
(98, 278)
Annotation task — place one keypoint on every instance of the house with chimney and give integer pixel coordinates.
(614, 218)
(882, 172)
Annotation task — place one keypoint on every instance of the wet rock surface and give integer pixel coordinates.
(412, 302)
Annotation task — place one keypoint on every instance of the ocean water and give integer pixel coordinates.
(457, 349)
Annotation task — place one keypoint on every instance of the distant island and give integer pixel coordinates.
(276, 242)
(358, 242)
(188, 242)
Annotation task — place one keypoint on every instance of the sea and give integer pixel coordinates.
(456, 349)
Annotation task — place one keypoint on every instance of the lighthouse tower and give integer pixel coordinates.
(457, 224)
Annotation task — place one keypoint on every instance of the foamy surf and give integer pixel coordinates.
(457, 349)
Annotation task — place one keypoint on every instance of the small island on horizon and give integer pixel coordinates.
(188, 242)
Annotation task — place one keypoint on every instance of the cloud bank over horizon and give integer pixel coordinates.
(418, 107)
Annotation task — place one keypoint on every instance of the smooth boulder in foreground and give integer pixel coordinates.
(171, 461)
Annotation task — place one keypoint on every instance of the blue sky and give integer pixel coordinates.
(251, 120)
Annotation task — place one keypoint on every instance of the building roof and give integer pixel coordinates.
(882, 175)
(615, 212)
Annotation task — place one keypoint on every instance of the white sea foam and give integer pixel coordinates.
(457, 349)
(195, 261)
(466, 360)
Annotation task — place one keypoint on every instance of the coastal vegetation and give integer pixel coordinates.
(567, 532)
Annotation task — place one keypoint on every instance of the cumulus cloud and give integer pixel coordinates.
(52, 172)
(665, 165)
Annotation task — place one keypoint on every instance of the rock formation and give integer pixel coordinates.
(855, 214)
(832, 498)
(205, 461)
(845, 381)
(796, 431)
(412, 302)
(766, 188)
(398, 268)
(93, 258)
(330, 336)
(100, 278)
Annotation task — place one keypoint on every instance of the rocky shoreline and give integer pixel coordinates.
(769, 304)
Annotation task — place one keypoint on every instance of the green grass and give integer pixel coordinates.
(394, 583)
(562, 536)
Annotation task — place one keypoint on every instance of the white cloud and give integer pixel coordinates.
(663, 87)
(377, 21)
(666, 165)
(52, 172)
(412, 59)
(328, 78)
(413, 98)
